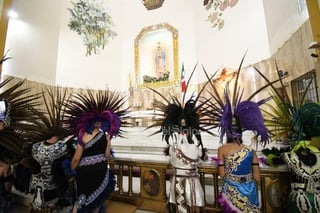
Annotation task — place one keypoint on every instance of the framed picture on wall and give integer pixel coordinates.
(156, 56)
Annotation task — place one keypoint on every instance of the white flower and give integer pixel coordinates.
(92, 23)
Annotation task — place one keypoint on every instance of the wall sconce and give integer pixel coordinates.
(282, 73)
(12, 14)
(314, 45)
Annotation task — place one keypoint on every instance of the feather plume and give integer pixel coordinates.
(105, 106)
(233, 115)
(15, 138)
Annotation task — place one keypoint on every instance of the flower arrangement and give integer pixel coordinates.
(218, 6)
(92, 23)
(152, 79)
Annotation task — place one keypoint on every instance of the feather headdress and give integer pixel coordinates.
(306, 121)
(17, 103)
(232, 115)
(107, 107)
(173, 111)
(51, 116)
(287, 120)
(242, 116)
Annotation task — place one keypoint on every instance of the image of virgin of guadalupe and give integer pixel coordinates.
(160, 61)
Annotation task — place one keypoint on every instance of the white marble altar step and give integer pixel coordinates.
(138, 144)
(139, 139)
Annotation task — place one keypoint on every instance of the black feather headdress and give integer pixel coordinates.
(50, 117)
(19, 117)
(173, 111)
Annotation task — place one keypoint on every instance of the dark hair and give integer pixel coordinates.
(233, 138)
(59, 132)
(306, 156)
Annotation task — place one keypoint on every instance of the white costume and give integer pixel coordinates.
(185, 189)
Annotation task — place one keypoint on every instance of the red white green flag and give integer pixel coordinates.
(183, 80)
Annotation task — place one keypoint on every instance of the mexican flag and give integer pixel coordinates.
(183, 80)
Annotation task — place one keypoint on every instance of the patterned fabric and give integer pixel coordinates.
(239, 193)
(92, 191)
(43, 185)
(305, 190)
(185, 188)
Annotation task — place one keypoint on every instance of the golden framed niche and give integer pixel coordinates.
(156, 56)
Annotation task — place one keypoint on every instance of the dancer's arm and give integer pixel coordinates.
(255, 168)
(107, 153)
(221, 162)
(77, 156)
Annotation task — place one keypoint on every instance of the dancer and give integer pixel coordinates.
(298, 124)
(181, 124)
(185, 153)
(238, 163)
(48, 180)
(17, 121)
(304, 160)
(5, 167)
(95, 119)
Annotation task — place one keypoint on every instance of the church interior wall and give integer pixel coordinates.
(44, 49)
(142, 99)
(46, 52)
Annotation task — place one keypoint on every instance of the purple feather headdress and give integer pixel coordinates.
(85, 110)
(110, 122)
(244, 115)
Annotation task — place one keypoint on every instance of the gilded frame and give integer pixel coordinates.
(159, 36)
(150, 183)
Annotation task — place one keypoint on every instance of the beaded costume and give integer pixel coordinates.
(239, 192)
(305, 189)
(42, 183)
(304, 160)
(49, 181)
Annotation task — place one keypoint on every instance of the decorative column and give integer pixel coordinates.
(4, 6)
(314, 17)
